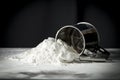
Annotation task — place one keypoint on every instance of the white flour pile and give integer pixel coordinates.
(48, 52)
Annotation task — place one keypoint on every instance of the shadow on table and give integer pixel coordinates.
(54, 75)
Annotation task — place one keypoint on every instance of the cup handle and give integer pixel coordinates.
(104, 52)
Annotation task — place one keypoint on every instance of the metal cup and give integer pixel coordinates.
(80, 36)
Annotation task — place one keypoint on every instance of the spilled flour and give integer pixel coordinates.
(48, 51)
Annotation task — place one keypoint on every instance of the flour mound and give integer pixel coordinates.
(48, 51)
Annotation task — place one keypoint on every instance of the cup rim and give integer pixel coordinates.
(77, 30)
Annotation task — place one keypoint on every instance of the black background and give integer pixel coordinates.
(25, 23)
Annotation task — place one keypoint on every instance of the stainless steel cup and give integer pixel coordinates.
(80, 36)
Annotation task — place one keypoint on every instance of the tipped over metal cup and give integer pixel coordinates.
(81, 36)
